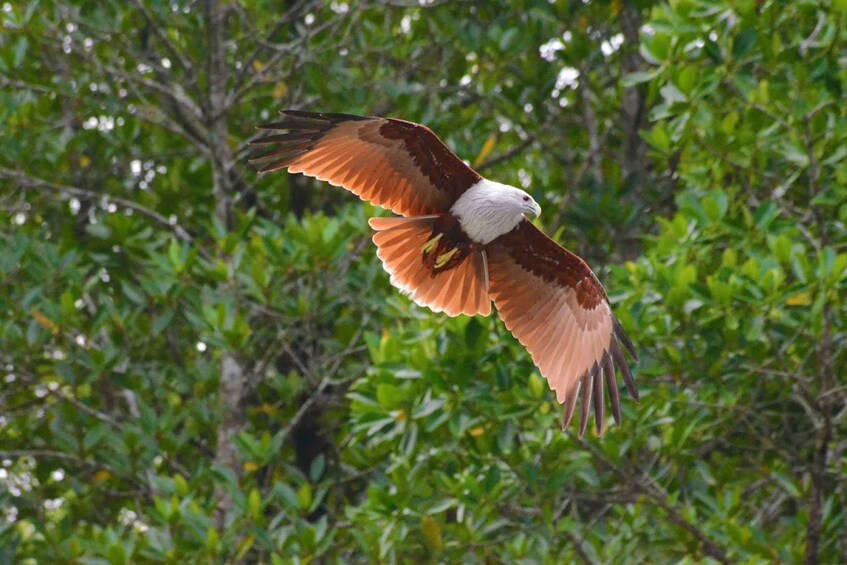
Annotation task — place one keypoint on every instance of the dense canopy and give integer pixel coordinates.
(200, 363)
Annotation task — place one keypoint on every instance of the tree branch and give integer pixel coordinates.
(233, 380)
(508, 155)
(25, 181)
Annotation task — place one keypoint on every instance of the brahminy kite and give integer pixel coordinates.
(464, 241)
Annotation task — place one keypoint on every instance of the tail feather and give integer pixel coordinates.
(477, 286)
(459, 290)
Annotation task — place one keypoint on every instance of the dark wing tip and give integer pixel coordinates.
(298, 120)
(599, 402)
(570, 405)
(299, 113)
(591, 385)
(299, 136)
(588, 393)
(587, 390)
(623, 367)
(282, 155)
(297, 124)
(300, 132)
(612, 387)
(621, 335)
(334, 117)
(303, 138)
(271, 168)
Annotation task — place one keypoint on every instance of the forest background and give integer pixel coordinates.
(201, 364)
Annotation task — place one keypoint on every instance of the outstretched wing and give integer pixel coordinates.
(394, 164)
(554, 305)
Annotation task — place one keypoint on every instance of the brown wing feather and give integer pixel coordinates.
(393, 163)
(555, 306)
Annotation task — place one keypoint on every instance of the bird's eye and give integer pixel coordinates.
(526, 198)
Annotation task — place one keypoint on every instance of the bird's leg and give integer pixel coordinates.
(447, 246)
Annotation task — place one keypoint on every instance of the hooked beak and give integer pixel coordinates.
(536, 209)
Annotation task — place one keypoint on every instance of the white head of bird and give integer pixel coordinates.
(490, 209)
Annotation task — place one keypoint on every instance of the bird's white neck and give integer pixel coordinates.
(490, 209)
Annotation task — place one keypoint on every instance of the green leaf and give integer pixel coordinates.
(836, 156)
(729, 122)
(795, 153)
(287, 494)
(245, 546)
(316, 469)
(213, 539)
(658, 46)
(715, 205)
(181, 485)
(743, 43)
(687, 79)
(175, 255)
(659, 138)
(787, 484)
(254, 504)
(639, 77)
(473, 332)
(20, 50)
(672, 94)
(98, 230)
(537, 386)
(390, 396)
(781, 247)
(117, 554)
(304, 496)
(765, 214)
(432, 534)
(94, 436)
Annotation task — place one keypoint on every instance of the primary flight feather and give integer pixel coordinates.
(464, 241)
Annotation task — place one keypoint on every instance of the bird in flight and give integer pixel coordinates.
(463, 241)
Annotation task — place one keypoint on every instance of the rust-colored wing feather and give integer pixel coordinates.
(460, 290)
(395, 164)
(554, 305)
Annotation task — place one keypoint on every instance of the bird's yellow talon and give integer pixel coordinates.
(444, 258)
(430, 245)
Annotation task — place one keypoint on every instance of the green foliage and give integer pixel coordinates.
(203, 365)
